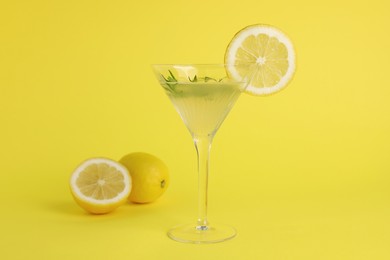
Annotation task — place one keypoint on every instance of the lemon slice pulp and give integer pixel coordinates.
(269, 57)
(100, 185)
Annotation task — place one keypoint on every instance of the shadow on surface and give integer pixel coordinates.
(159, 210)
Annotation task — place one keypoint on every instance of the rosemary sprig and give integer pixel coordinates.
(171, 81)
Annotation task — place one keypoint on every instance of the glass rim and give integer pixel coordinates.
(157, 68)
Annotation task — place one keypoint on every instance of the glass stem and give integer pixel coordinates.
(203, 145)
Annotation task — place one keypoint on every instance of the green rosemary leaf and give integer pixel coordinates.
(172, 77)
(195, 79)
(170, 81)
(208, 79)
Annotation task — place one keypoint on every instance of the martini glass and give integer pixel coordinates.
(203, 95)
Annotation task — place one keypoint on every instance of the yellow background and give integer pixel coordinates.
(303, 174)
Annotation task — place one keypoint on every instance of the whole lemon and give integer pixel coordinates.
(150, 177)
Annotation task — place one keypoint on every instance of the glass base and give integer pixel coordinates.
(201, 234)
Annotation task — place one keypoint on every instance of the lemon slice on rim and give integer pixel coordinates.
(100, 185)
(268, 54)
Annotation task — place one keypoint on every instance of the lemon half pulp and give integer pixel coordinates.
(100, 185)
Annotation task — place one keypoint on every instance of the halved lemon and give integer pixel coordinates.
(100, 185)
(268, 54)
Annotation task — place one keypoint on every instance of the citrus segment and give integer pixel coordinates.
(268, 55)
(100, 185)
